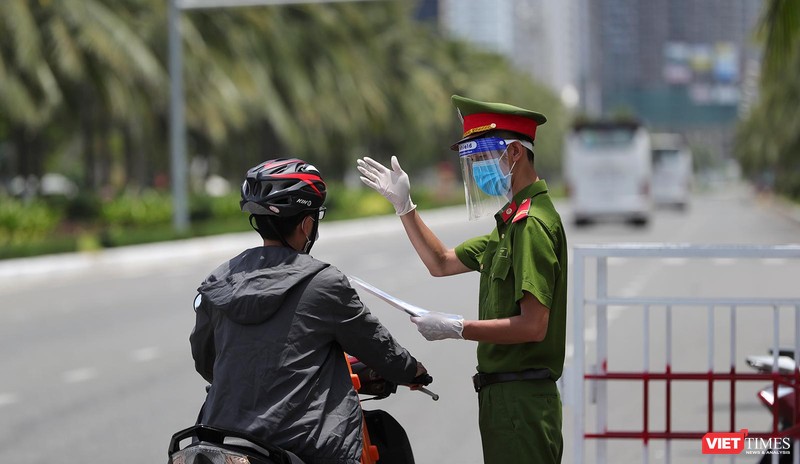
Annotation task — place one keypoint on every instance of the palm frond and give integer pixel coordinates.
(780, 29)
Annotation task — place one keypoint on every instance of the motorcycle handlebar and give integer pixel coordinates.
(419, 382)
(423, 379)
(371, 383)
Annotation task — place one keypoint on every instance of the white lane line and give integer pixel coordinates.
(723, 261)
(7, 399)
(79, 375)
(775, 261)
(146, 354)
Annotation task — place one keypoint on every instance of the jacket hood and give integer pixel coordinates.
(251, 287)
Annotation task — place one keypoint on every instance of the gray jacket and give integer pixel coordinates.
(270, 335)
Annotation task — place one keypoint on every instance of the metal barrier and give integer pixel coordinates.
(600, 375)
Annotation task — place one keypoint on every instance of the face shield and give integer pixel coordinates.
(486, 174)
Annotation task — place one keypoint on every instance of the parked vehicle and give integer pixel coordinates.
(608, 171)
(779, 399)
(385, 440)
(672, 170)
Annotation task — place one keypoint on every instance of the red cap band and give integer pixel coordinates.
(481, 122)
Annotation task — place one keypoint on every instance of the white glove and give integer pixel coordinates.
(439, 326)
(392, 184)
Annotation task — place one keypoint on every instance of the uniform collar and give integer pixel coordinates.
(521, 203)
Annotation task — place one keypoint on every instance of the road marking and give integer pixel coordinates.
(775, 261)
(79, 375)
(723, 261)
(146, 354)
(7, 398)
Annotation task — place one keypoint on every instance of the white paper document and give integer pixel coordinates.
(396, 302)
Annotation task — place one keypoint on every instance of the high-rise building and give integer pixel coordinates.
(539, 36)
(688, 66)
(675, 63)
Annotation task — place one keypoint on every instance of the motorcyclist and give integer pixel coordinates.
(273, 324)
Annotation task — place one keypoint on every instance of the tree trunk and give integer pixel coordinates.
(87, 140)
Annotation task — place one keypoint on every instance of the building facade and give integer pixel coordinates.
(541, 37)
(675, 63)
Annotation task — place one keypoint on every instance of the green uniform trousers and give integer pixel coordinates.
(520, 422)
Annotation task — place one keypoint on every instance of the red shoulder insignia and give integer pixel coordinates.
(522, 211)
(508, 212)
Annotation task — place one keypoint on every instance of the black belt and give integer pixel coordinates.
(481, 380)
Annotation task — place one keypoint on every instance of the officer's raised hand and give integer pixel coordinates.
(392, 183)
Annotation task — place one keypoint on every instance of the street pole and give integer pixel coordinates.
(177, 126)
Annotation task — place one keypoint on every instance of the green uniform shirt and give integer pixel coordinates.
(526, 252)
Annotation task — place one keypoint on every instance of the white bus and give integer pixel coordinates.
(607, 169)
(672, 170)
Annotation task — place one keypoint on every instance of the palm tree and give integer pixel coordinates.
(768, 141)
(780, 29)
(76, 64)
(328, 82)
(317, 88)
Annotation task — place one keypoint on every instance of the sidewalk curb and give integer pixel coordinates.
(181, 251)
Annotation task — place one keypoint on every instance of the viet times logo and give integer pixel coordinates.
(738, 442)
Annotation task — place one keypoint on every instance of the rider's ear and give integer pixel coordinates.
(307, 224)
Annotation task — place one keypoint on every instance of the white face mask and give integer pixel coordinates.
(490, 177)
(310, 243)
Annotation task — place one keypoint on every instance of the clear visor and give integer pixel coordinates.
(486, 174)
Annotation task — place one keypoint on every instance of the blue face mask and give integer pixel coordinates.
(490, 178)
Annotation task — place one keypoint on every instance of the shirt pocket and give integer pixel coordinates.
(500, 266)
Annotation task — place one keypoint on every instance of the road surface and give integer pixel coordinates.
(95, 358)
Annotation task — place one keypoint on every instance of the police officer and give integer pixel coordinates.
(521, 331)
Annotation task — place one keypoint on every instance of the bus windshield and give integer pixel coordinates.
(666, 157)
(592, 138)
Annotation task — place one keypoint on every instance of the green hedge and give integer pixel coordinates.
(23, 221)
(84, 223)
(147, 209)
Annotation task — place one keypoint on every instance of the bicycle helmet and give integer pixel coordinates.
(282, 187)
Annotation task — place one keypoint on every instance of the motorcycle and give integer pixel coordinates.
(385, 440)
(780, 399)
